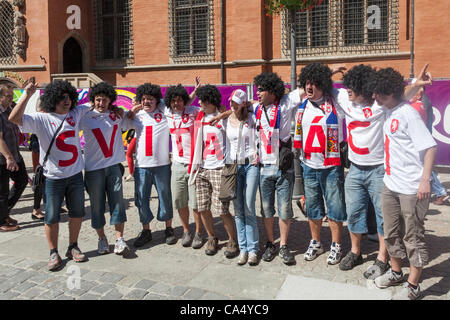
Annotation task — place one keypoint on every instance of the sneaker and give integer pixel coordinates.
(76, 255)
(335, 254)
(252, 259)
(186, 240)
(350, 261)
(270, 252)
(286, 255)
(121, 246)
(55, 262)
(211, 246)
(388, 279)
(377, 269)
(170, 236)
(407, 293)
(197, 243)
(143, 237)
(103, 246)
(314, 250)
(232, 249)
(243, 257)
(128, 178)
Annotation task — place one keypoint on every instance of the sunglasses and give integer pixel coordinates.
(261, 89)
(64, 97)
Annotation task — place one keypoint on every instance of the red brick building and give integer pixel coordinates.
(127, 42)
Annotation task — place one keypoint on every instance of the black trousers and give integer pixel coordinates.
(9, 198)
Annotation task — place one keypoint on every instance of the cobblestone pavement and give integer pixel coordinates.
(161, 272)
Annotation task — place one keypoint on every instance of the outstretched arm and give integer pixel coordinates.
(193, 95)
(424, 79)
(18, 111)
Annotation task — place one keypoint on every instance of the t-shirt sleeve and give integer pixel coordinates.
(341, 100)
(127, 123)
(83, 109)
(30, 123)
(418, 132)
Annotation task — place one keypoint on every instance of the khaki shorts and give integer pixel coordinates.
(404, 230)
(207, 185)
(182, 193)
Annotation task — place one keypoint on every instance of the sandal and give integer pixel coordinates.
(441, 200)
(37, 217)
(301, 205)
(11, 221)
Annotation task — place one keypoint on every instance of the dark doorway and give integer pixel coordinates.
(72, 57)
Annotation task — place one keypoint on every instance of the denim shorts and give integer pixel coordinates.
(328, 184)
(363, 183)
(71, 188)
(183, 194)
(272, 180)
(101, 184)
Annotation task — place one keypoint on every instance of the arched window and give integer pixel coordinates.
(7, 55)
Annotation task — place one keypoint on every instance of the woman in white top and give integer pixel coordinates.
(241, 145)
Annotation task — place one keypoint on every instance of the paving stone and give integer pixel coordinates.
(136, 294)
(12, 261)
(22, 277)
(178, 291)
(154, 296)
(9, 295)
(51, 294)
(40, 277)
(33, 292)
(102, 288)
(10, 272)
(114, 294)
(64, 297)
(93, 275)
(194, 294)
(213, 296)
(39, 265)
(161, 288)
(89, 296)
(111, 277)
(26, 264)
(24, 286)
(5, 286)
(85, 286)
(144, 284)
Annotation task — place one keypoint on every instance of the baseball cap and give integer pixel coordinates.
(238, 96)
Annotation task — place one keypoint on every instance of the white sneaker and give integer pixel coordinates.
(128, 178)
(120, 246)
(335, 254)
(103, 246)
(407, 293)
(314, 249)
(388, 279)
(243, 257)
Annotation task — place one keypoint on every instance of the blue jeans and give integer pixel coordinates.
(436, 187)
(102, 183)
(72, 188)
(144, 178)
(361, 184)
(244, 208)
(328, 184)
(272, 180)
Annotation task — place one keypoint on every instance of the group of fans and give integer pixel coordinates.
(389, 146)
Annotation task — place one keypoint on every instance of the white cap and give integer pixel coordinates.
(238, 96)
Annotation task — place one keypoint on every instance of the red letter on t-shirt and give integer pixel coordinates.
(352, 125)
(61, 145)
(211, 138)
(107, 152)
(314, 131)
(148, 141)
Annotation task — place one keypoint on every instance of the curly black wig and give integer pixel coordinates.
(318, 74)
(209, 93)
(358, 80)
(150, 90)
(104, 89)
(176, 91)
(53, 94)
(388, 81)
(271, 82)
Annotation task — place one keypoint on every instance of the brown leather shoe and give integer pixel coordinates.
(211, 246)
(8, 227)
(11, 221)
(232, 249)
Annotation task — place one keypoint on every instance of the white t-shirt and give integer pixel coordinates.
(247, 147)
(269, 136)
(364, 130)
(406, 140)
(314, 128)
(214, 143)
(181, 126)
(103, 135)
(152, 138)
(65, 159)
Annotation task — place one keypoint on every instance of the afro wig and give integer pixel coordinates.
(271, 82)
(176, 91)
(103, 89)
(53, 94)
(209, 93)
(148, 89)
(388, 81)
(358, 79)
(318, 74)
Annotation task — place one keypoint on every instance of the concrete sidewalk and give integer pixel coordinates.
(159, 271)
